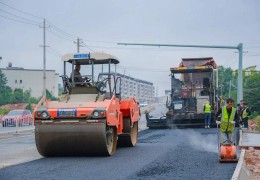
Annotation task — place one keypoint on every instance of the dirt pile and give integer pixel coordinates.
(254, 124)
(252, 160)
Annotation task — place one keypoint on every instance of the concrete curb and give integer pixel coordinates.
(239, 173)
(242, 172)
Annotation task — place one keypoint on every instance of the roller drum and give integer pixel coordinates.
(75, 140)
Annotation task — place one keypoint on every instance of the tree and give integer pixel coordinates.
(224, 77)
(50, 96)
(3, 81)
(5, 91)
(251, 88)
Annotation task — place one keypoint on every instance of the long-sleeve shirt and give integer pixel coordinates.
(229, 113)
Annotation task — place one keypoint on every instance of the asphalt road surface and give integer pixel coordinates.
(159, 154)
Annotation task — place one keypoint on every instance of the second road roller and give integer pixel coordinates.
(90, 118)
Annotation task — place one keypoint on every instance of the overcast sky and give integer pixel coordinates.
(101, 24)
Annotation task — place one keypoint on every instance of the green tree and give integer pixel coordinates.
(252, 88)
(224, 77)
(50, 96)
(5, 91)
(17, 96)
(3, 81)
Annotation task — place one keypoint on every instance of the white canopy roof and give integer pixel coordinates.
(88, 58)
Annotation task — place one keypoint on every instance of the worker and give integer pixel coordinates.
(245, 115)
(77, 76)
(78, 79)
(240, 108)
(239, 115)
(147, 116)
(227, 122)
(207, 114)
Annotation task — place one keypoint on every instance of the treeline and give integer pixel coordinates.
(251, 85)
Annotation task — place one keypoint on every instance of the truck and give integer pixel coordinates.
(90, 118)
(193, 84)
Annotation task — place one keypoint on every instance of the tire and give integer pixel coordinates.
(130, 134)
(111, 140)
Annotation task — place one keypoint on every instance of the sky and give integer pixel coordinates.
(101, 24)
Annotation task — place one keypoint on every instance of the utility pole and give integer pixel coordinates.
(79, 44)
(239, 47)
(44, 56)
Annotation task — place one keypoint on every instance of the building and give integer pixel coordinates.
(31, 79)
(142, 90)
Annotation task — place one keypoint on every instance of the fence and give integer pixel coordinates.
(15, 124)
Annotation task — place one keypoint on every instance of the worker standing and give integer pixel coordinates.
(245, 115)
(207, 114)
(227, 122)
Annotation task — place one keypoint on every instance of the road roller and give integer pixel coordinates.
(89, 118)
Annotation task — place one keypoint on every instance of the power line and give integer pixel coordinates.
(55, 51)
(88, 47)
(22, 11)
(233, 62)
(254, 54)
(19, 16)
(59, 35)
(61, 31)
(18, 20)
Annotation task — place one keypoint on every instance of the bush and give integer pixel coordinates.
(29, 107)
(3, 111)
(253, 115)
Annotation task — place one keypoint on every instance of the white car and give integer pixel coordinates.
(143, 104)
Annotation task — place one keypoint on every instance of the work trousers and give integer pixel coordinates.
(245, 122)
(207, 119)
(225, 137)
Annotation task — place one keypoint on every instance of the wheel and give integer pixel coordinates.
(111, 140)
(130, 134)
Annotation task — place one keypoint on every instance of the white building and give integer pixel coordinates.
(31, 79)
(142, 90)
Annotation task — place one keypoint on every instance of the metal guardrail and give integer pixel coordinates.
(15, 125)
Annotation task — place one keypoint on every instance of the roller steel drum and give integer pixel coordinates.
(75, 139)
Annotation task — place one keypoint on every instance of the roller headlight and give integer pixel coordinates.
(96, 114)
(44, 115)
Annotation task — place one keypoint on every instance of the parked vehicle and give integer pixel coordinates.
(143, 104)
(17, 117)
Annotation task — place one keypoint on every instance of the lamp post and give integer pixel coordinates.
(239, 47)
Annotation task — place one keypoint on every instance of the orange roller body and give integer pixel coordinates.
(90, 118)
